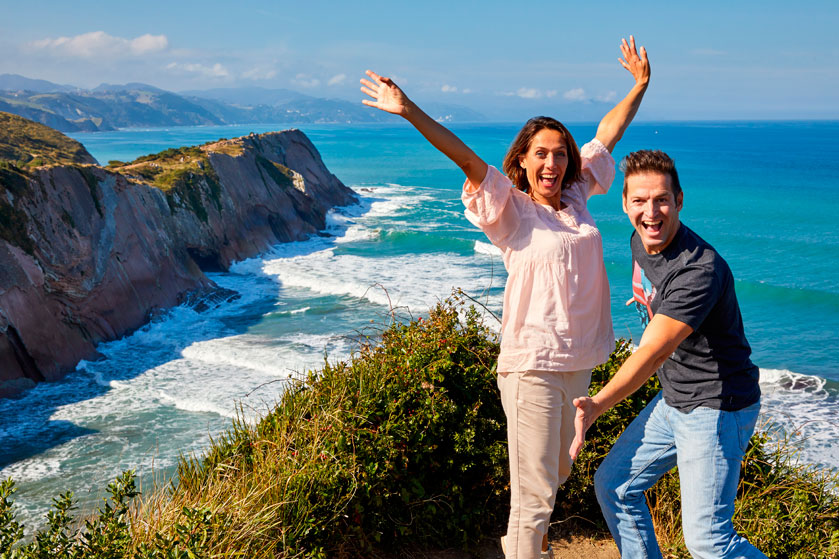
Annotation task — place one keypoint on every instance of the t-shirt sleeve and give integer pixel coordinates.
(598, 169)
(489, 206)
(690, 295)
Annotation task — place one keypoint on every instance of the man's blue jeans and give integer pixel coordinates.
(707, 445)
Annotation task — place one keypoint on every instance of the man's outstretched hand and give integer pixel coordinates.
(587, 412)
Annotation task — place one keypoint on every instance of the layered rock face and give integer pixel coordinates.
(87, 253)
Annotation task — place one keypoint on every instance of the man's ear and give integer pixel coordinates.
(679, 199)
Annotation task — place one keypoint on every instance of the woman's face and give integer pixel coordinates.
(545, 162)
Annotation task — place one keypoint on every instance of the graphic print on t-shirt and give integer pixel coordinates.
(643, 293)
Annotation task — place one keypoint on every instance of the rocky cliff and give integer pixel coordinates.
(86, 253)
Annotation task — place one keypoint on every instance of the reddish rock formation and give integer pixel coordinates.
(86, 254)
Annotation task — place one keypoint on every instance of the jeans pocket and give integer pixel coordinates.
(746, 420)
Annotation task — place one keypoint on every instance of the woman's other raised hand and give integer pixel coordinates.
(637, 65)
(386, 95)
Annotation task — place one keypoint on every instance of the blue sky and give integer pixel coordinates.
(710, 60)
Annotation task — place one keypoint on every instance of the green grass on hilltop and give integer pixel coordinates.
(171, 167)
(26, 144)
(400, 448)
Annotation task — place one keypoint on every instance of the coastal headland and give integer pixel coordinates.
(88, 253)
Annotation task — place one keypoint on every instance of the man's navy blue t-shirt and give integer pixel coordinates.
(690, 282)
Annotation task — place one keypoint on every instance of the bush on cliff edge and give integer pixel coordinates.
(402, 447)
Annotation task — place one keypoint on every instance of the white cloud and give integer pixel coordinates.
(448, 89)
(576, 94)
(608, 97)
(214, 71)
(100, 44)
(466, 91)
(337, 79)
(305, 80)
(147, 43)
(259, 74)
(533, 93)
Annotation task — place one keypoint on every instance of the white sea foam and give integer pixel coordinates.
(198, 405)
(32, 469)
(805, 410)
(415, 281)
(487, 248)
(240, 351)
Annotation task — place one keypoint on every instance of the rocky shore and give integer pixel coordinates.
(87, 253)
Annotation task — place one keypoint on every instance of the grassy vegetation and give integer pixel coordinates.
(167, 170)
(28, 144)
(184, 174)
(401, 447)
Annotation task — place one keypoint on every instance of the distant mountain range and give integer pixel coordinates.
(108, 107)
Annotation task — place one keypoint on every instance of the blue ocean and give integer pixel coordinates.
(765, 194)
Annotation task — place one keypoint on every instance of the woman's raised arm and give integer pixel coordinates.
(614, 124)
(388, 97)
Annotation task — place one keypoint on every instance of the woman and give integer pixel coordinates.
(556, 322)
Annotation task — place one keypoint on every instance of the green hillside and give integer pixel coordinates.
(26, 144)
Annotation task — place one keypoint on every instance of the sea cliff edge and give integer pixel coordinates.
(88, 253)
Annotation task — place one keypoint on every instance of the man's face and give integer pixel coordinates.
(652, 209)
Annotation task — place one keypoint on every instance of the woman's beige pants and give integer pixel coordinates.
(540, 427)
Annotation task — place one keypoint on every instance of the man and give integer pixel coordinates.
(706, 412)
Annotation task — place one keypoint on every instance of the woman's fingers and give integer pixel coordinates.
(373, 75)
(368, 83)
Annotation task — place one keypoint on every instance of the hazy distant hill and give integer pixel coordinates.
(111, 106)
(249, 96)
(14, 82)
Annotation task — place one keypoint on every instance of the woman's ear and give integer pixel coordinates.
(521, 162)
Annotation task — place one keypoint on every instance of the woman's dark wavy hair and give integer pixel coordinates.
(521, 144)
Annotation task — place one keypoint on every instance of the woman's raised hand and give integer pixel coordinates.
(386, 95)
(637, 65)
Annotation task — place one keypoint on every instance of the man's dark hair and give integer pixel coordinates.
(650, 161)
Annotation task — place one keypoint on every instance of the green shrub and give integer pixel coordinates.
(404, 444)
(402, 447)
(785, 508)
(576, 497)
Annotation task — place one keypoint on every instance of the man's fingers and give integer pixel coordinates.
(576, 447)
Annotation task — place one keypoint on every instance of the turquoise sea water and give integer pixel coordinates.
(766, 195)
